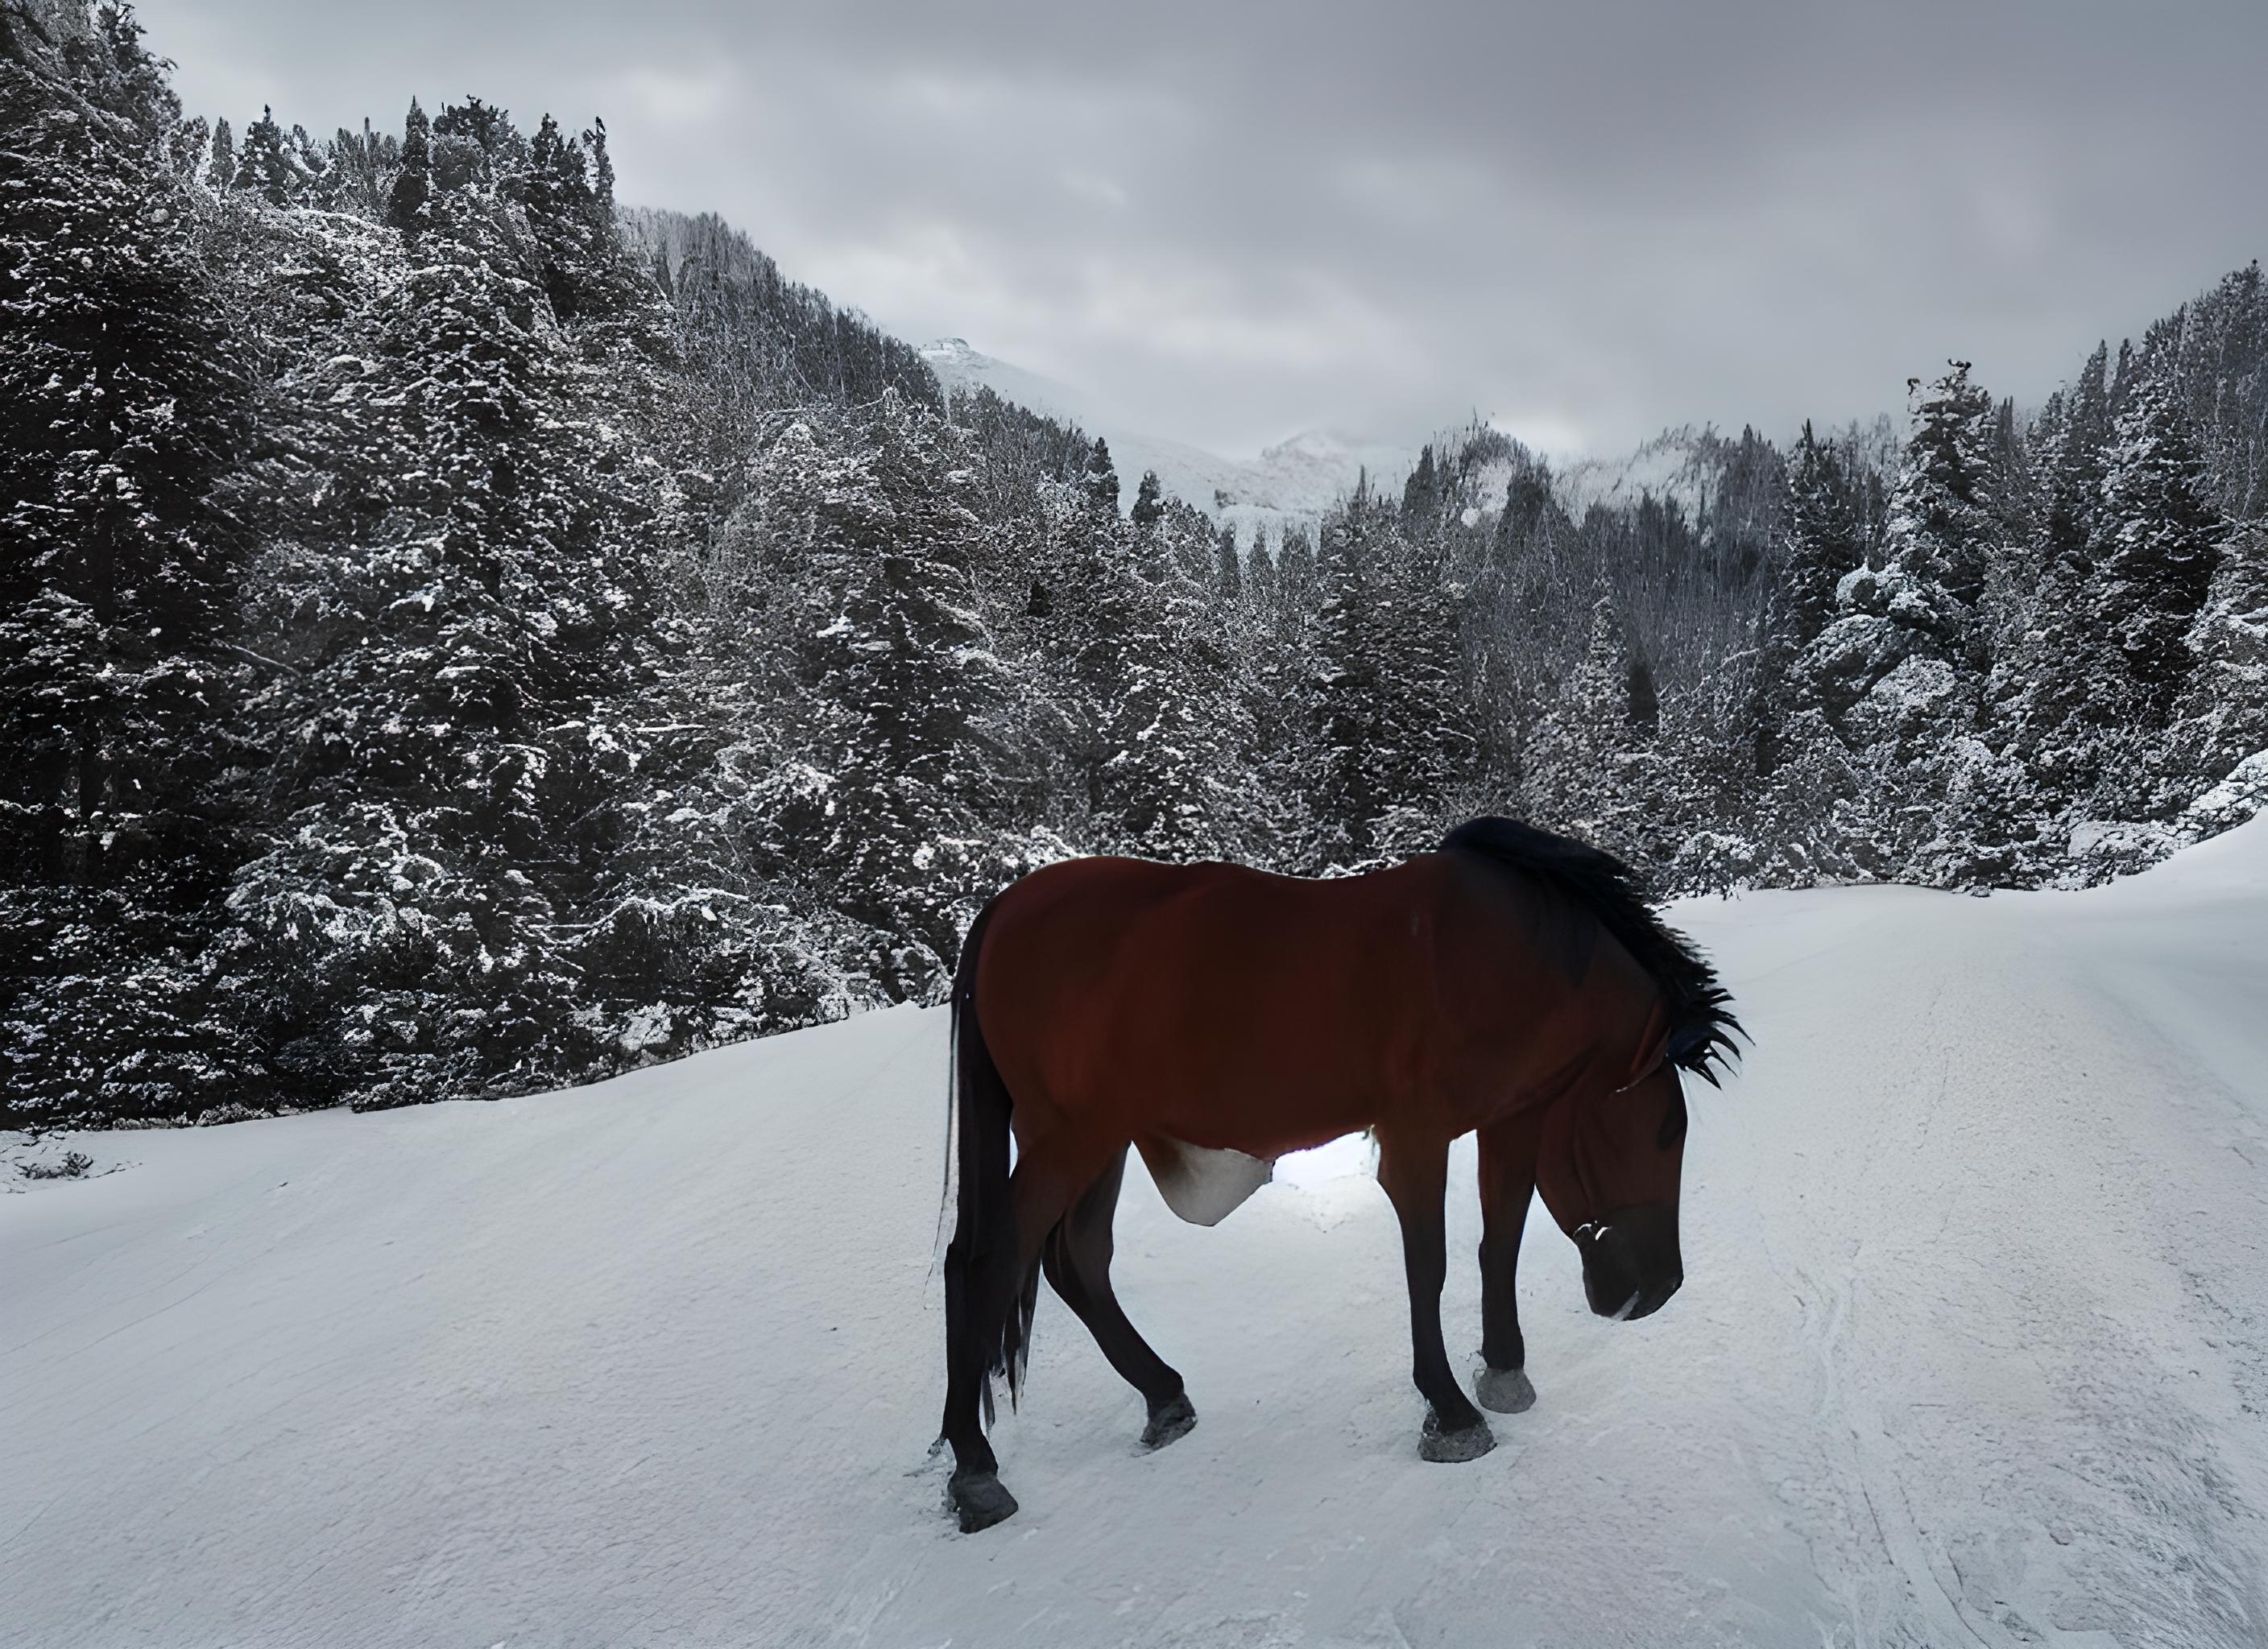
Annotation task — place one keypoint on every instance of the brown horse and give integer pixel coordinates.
(1215, 1018)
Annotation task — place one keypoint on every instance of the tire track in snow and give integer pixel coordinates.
(2036, 1477)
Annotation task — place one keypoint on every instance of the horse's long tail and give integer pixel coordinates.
(988, 1306)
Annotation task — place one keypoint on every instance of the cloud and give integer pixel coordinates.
(1239, 221)
(664, 98)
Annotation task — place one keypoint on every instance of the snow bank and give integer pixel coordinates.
(1973, 1348)
(2233, 864)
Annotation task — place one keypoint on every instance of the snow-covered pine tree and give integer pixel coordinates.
(1531, 616)
(1900, 669)
(1575, 776)
(1424, 493)
(413, 184)
(1942, 527)
(1175, 786)
(458, 613)
(1341, 796)
(125, 402)
(1430, 757)
(1100, 479)
(2218, 347)
(1810, 819)
(1823, 544)
(2154, 541)
(2221, 717)
(907, 837)
(359, 175)
(1149, 502)
(2074, 481)
(1257, 575)
(562, 218)
(1228, 574)
(2154, 549)
(1297, 577)
(1387, 706)
(2042, 699)
(265, 163)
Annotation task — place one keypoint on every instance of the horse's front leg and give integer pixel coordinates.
(1415, 1172)
(1507, 1153)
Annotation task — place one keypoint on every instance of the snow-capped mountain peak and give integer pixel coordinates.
(1294, 482)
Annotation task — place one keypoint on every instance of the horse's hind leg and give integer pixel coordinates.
(1077, 1263)
(1415, 1172)
(972, 1313)
(988, 1315)
(1507, 1153)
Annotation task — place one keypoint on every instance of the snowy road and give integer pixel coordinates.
(1973, 1350)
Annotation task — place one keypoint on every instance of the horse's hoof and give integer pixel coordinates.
(1467, 1442)
(1168, 1420)
(981, 1500)
(1505, 1391)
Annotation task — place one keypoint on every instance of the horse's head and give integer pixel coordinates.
(1609, 1170)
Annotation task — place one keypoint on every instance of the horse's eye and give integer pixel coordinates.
(1672, 1122)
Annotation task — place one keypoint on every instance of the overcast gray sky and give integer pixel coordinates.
(1231, 221)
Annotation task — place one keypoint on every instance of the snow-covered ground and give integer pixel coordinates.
(1973, 1348)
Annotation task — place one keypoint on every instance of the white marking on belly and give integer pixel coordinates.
(1202, 1185)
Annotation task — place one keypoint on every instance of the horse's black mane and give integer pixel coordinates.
(1701, 1023)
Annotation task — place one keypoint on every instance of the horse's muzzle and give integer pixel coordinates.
(1631, 1261)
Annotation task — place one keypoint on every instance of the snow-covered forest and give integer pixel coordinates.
(460, 636)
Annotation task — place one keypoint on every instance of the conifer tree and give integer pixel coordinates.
(2046, 693)
(125, 403)
(1822, 545)
(1575, 780)
(1229, 573)
(2155, 549)
(1100, 479)
(1941, 525)
(413, 184)
(264, 164)
(1430, 749)
(2221, 717)
(1901, 671)
(907, 837)
(1259, 574)
(458, 621)
(1422, 493)
(556, 193)
(1148, 504)
(1296, 574)
(1392, 733)
(1342, 794)
(602, 171)
(1811, 816)
(1171, 787)
(2075, 481)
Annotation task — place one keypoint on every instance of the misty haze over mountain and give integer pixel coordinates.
(1586, 224)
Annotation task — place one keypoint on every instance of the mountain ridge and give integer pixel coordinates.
(1292, 482)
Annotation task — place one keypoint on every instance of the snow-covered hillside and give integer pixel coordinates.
(1294, 482)
(1973, 1348)
(1671, 467)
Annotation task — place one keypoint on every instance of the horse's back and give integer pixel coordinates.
(1230, 1007)
(1186, 997)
